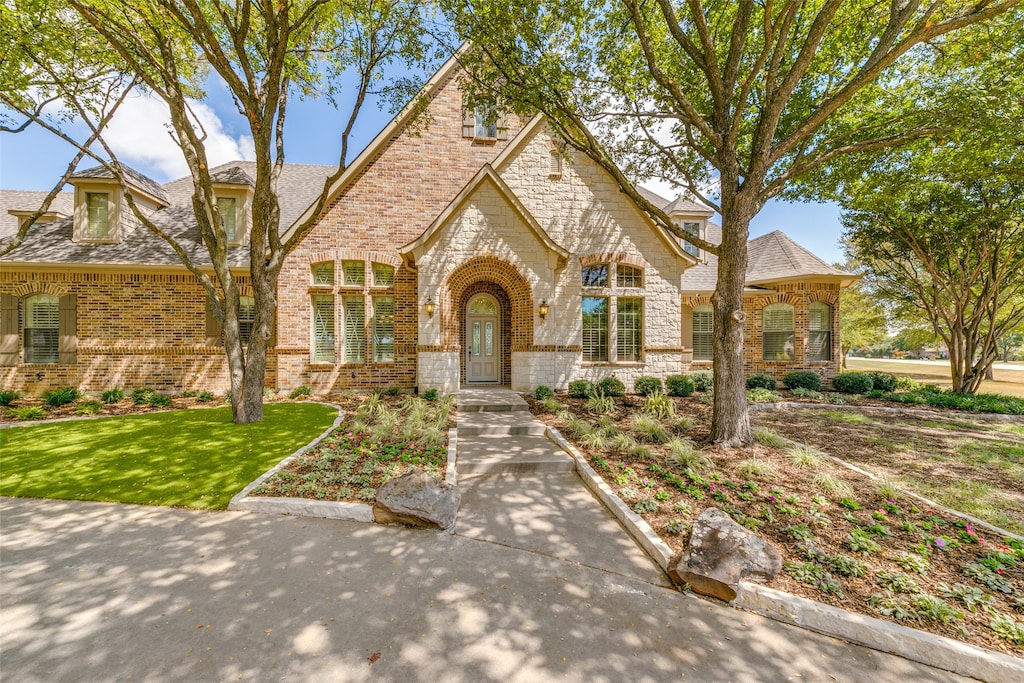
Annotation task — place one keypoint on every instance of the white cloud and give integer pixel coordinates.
(140, 135)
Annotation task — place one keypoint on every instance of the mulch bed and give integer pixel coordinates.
(779, 506)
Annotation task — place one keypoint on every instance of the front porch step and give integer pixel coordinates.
(488, 423)
(526, 453)
(490, 401)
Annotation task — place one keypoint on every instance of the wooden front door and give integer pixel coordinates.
(482, 339)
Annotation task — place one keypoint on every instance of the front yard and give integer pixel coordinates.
(846, 540)
(184, 458)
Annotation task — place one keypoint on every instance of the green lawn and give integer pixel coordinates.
(184, 458)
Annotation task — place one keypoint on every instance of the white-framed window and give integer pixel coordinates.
(383, 329)
(354, 273)
(820, 332)
(703, 329)
(777, 336)
(595, 329)
(383, 275)
(323, 328)
(323, 273)
(97, 216)
(486, 124)
(354, 329)
(629, 342)
(42, 329)
(227, 207)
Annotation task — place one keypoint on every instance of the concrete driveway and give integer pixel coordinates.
(104, 592)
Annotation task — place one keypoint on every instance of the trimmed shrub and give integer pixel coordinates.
(645, 386)
(680, 385)
(204, 396)
(883, 381)
(142, 395)
(7, 397)
(703, 380)
(542, 392)
(612, 387)
(300, 391)
(852, 382)
(56, 398)
(159, 400)
(430, 395)
(761, 382)
(581, 388)
(802, 379)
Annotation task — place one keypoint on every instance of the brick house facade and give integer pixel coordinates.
(450, 254)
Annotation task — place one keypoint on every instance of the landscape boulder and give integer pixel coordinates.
(415, 498)
(720, 554)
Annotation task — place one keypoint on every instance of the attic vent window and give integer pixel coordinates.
(555, 164)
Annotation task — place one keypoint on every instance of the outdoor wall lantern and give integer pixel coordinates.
(543, 310)
(429, 307)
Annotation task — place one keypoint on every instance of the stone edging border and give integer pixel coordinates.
(896, 410)
(919, 646)
(921, 499)
(326, 509)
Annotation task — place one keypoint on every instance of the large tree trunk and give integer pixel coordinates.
(730, 424)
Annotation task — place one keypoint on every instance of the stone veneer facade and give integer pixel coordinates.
(454, 217)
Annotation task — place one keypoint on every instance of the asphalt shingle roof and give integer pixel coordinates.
(29, 201)
(52, 242)
(770, 258)
(136, 179)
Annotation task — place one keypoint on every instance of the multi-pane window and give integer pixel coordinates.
(246, 317)
(226, 207)
(777, 332)
(486, 124)
(595, 275)
(42, 329)
(354, 341)
(630, 340)
(820, 328)
(383, 329)
(383, 275)
(97, 215)
(692, 229)
(703, 327)
(595, 328)
(323, 329)
(323, 273)
(354, 273)
(628, 276)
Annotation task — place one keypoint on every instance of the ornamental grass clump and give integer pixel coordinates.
(55, 398)
(767, 437)
(649, 429)
(834, 485)
(802, 456)
(755, 467)
(659, 405)
(685, 455)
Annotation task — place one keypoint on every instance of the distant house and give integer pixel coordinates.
(462, 254)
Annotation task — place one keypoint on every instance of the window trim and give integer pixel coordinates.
(601, 357)
(791, 331)
(330, 322)
(81, 217)
(55, 328)
(620, 357)
(357, 346)
(703, 309)
(245, 326)
(826, 332)
(378, 357)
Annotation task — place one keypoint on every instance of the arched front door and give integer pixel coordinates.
(483, 345)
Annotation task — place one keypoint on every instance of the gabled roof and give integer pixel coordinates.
(679, 205)
(771, 259)
(232, 175)
(16, 204)
(133, 177)
(51, 243)
(486, 174)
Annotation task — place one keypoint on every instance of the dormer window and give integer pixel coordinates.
(97, 212)
(691, 229)
(227, 207)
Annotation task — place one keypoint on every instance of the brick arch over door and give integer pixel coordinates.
(504, 281)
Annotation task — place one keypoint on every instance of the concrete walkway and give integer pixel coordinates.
(105, 592)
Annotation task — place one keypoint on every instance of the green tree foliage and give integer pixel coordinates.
(862, 319)
(954, 249)
(731, 101)
(264, 54)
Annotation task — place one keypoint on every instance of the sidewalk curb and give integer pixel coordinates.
(919, 646)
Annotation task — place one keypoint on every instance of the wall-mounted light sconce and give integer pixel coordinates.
(543, 310)
(429, 308)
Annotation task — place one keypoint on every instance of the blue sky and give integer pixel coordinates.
(34, 159)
